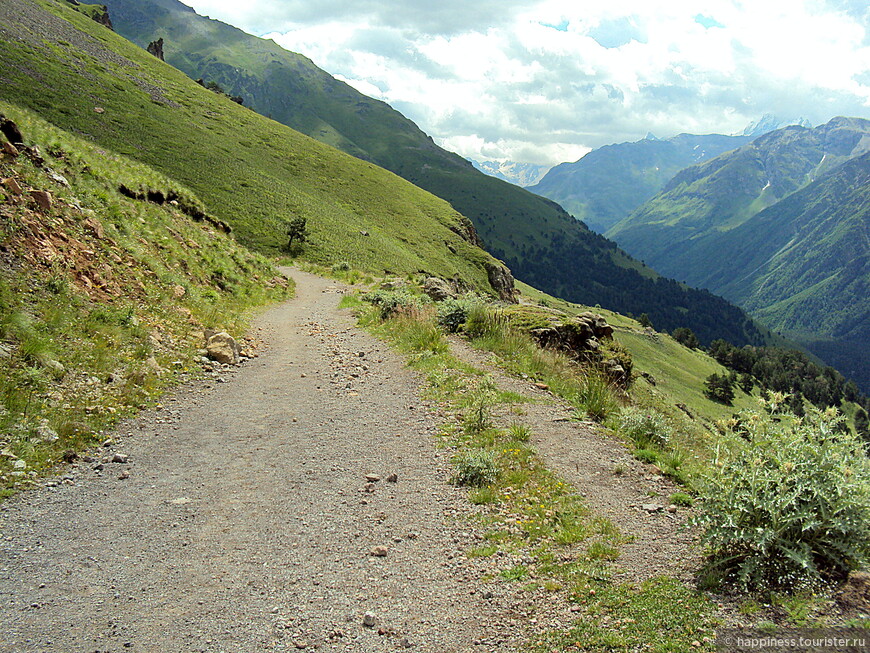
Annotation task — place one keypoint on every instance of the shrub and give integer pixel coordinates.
(476, 468)
(644, 427)
(452, 313)
(791, 506)
(391, 302)
(596, 397)
(686, 337)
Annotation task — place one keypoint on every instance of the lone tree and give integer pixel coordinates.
(718, 387)
(297, 232)
(686, 337)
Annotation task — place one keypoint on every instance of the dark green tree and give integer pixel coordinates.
(644, 320)
(718, 388)
(686, 337)
(297, 232)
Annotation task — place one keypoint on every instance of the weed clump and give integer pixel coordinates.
(476, 468)
(791, 506)
(391, 302)
(645, 427)
(453, 313)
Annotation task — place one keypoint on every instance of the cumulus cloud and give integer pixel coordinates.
(543, 81)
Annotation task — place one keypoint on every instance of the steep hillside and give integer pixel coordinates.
(250, 172)
(609, 183)
(103, 298)
(704, 200)
(803, 266)
(539, 241)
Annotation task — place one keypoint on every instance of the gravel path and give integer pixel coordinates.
(614, 484)
(245, 522)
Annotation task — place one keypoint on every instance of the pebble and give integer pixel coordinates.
(369, 619)
(119, 458)
(378, 551)
(373, 478)
(392, 478)
(651, 507)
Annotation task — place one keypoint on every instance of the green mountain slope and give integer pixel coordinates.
(103, 298)
(250, 172)
(803, 266)
(706, 199)
(540, 242)
(779, 226)
(609, 183)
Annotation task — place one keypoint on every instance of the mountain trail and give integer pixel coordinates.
(613, 483)
(239, 516)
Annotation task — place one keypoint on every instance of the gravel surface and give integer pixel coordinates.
(613, 483)
(243, 518)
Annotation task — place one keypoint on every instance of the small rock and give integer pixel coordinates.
(392, 478)
(542, 386)
(378, 551)
(652, 507)
(11, 150)
(298, 643)
(119, 458)
(43, 199)
(124, 475)
(672, 508)
(99, 110)
(13, 186)
(223, 348)
(373, 478)
(369, 487)
(19, 464)
(369, 619)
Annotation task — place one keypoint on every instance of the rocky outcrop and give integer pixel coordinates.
(156, 48)
(11, 131)
(102, 17)
(588, 339)
(467, 232)
(502, 282)
(438, 289)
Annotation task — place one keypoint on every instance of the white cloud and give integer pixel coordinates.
(543, 81)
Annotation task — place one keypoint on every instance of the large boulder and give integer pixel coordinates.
(438, 289)
(502, 282)
(223, 348)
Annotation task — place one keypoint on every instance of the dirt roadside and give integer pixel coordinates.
(244, 522)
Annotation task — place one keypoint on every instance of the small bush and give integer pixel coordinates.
(477, 417)
(790, 506)
(452, 313)
(391, 302)
(645, 427)
(682, 499)
(596, 397)
(519, 432)
(476, 468)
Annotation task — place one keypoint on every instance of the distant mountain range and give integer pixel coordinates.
(610, 182)
(780, 226)
(540, 242)
(521, 174)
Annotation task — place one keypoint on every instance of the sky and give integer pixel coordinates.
(546, 81)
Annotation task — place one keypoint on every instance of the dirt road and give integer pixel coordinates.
(245, 523)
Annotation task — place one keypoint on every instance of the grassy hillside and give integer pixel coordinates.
(103, 298)
(609, 183)
(539, 241)
(251, 172)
